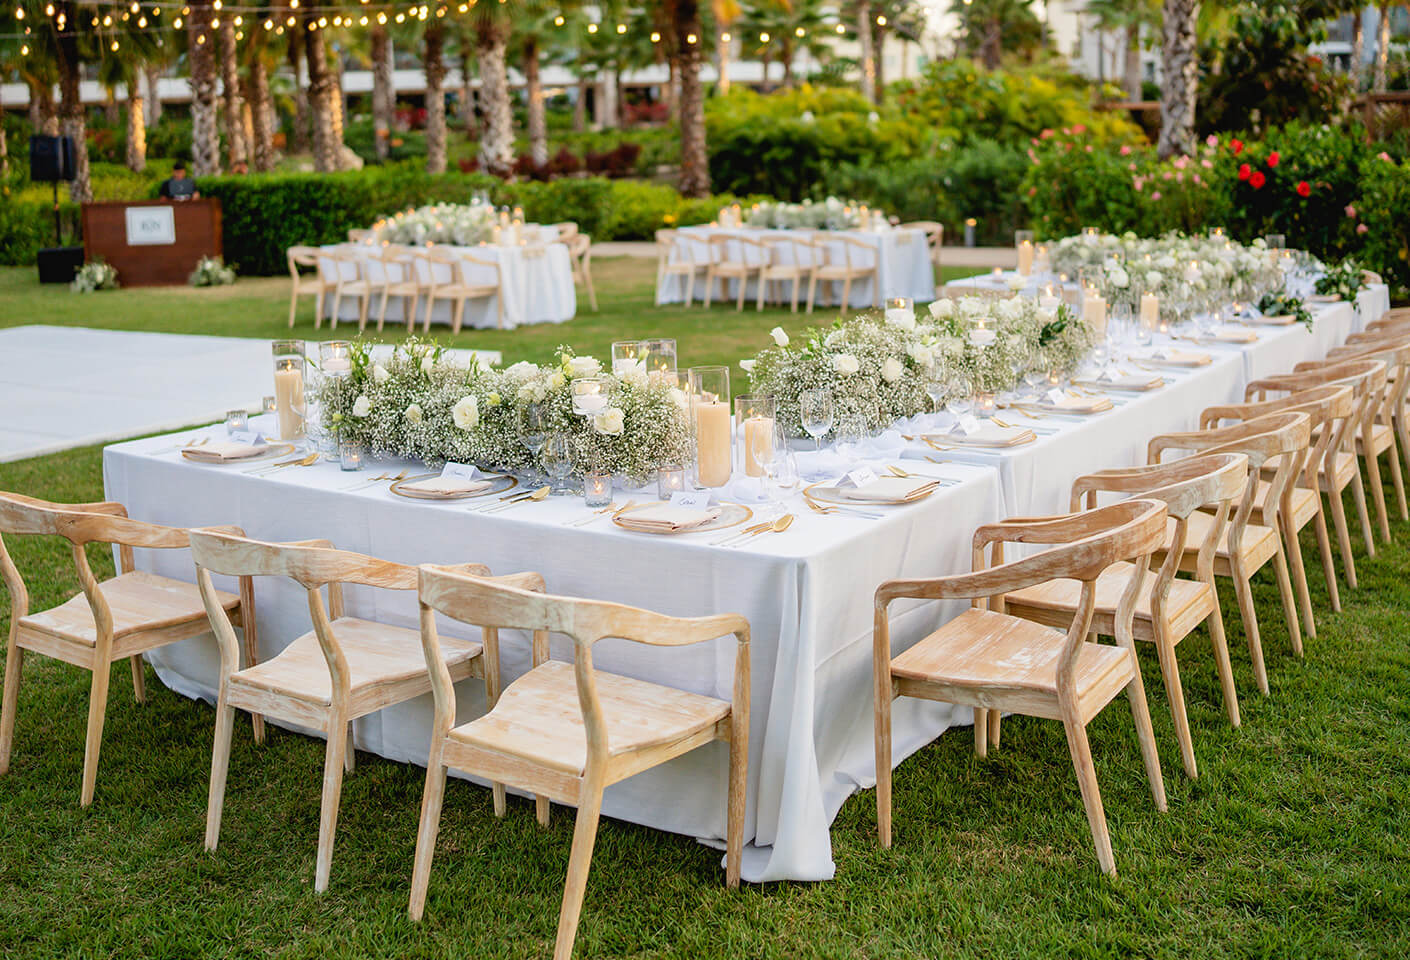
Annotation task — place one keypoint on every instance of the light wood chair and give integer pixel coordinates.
(1386, 433)
(445, 278)
(580, 255)
(116, 619)
(1168, 609)
(398, 269)
(680, 255)
(566, 230)
(858, 261)
(302, 258)
(1398, 416)
(353, 281)
(987, 659)
(567, 731)
(791, 260)
(934, 236)
(737, 258)
(344, 669)
(1327, 407)
(1339, 470)
(1248, 546)
(361, 236)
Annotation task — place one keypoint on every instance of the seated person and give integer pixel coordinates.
(178, 186)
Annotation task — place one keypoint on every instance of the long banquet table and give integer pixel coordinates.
(807, 594)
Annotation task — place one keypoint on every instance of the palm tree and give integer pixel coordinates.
(868, 60)
(258, 54)
(991, 28)
(236, 148)
(384, 92)
(123, 67)
(1378, 79)
(726, 14)
(200, 55)
(322, 93)
(535, 32)
(686, 38)
(1179, 62)
(1129, 17)
(492, 27)
(433, 62)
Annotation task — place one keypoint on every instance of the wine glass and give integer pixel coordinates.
(531, 424)
(961, 399)
(557, 458)
(850, 432)
(935, 386)
(815, 409)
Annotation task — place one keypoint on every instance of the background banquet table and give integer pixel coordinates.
(536, 284)
(904, 265)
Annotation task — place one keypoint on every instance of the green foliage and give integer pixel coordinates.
(1386, 239)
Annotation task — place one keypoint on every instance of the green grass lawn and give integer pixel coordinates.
(1293, 842)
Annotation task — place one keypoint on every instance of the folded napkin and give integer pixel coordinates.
(1138, 382)
(224, 451)
(889, 490)
(665, 518)
(1282, 320)
(1070, 404)
(1171, 357)
(1232, 334)
(443, 486)
(1325, 297)
(990, 434)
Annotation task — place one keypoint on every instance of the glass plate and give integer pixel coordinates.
(731, 515)
(826, 492)
(498, 484)
(275, 451)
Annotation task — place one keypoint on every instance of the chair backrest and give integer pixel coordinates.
(361, 236)
(735, 248)
(493, 606)
(567, 230)
(1331, 409)
(435, 266)
(791, 251)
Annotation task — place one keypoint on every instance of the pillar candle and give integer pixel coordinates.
(758, 444)
(1150, 311)
(289, 397)
(337, 365)
(712, 442)
(1025, 258)
(1049, 302)
(1094, 312)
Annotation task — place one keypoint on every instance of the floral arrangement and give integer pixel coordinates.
(830, 214)
(211, 272)
(879, 366)
(94, 275)
(419, 405)
(1283, 305)
(463, 224)
(1344, 280)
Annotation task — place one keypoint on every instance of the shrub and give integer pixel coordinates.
(1384, 212)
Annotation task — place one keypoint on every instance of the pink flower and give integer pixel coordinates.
(1067, 131)
(1180, 177)
(1047, 132)
(1033, 140)
(1350, 210)
(1131, 166)
(1125, 149)
(1197, 179)
(1179, 163)
(1080, 129)
(1155, 195)
(1032, 191)
(1138, 182)
(1211, 141)
(1362, 228)
(1168, 175)
(1089, 148)
(1384, 156)
(1032, 156)
(1206, 164)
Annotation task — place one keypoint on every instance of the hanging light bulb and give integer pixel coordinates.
(592, 28)
(725, 37)
(24, 50)
(691, 38)
(558, 20)
(177, 23)
(799, 32)
(764, 37)
(655, 37)
(881, 20)
(841, 28)
(621, 28)
(142, 22)
(19, 15)
(49, 10)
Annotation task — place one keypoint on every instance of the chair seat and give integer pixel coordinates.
(1053, 602)
(842, 273)
(538, 718)
(1382, 439)
(733, 269)
(355, 287)
(980, 657)
(1304, 504)
(684, 267)
(139, 601)
(1346, 469)
(1258, 544)
(462, 290)
(377, 655)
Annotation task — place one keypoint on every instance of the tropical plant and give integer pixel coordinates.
(1179, 67)
(989, 29)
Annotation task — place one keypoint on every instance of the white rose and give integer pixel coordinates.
(679, 398)
(747, 365)
(379, 373)
(413, 413)
(1118, 278)
(901, 319)
(973, 307)
(426, 364)
(609, 422)
(523, 370)
(1017, 283)
(835, 337)
(1009, 309)
(362, 406)
(584, 366)
(1166, 262)
(942, 308)
(466, 413)
(891, 370)
(780, 337)
(1153, 278)
(636, 376)
(556, 381)
(921, 354)
(846, 364)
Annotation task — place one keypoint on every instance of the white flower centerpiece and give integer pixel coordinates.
(1133, 265)
(462, 224)
(830, 214)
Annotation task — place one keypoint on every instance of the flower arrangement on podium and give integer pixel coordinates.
(830, 214)
(463, 224)
(878, 366)
(421, 405)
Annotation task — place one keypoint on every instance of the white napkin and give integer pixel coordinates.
(888, 489)
(1070, 404)
(1171, 356)
(223, 451)
(990, 434)
(1232, 334)
(663, 517)
(445, 486)
(1138, 382)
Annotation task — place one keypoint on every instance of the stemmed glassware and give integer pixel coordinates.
(935, 386)
(961, 399)
(781, 470)
(851, 431)
(815, 409)
(531, 434)
(557, 459)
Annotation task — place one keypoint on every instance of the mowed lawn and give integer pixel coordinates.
(1292, 843)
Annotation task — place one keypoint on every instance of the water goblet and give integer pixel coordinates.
(558, 461)
(531, 427)
(815, 410)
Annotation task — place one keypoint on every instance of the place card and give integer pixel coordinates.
(859, 478)
(693, 499)
(251, 437)
(460, 471)
(969, 425)
(1056, 396)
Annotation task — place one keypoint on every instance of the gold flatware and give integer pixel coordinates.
(777, 526)
(537, 495)
(740, 534)
(611, 508)
(271, 467)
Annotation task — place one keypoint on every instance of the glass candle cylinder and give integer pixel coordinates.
(660, 358)
(1094, 312)
(1091, 234)
(289, 363)
(670, 479)
(350, 455)
(627, 356)
(754, 427)
(709, 392)
(335, 358)
(1150, 313)
(589, 395)
(597, 489)
(269, 404)
(901, 310)
(1023, 242)
(236, 420)
(1276, 241)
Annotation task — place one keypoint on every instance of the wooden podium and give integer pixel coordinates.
(152, 242)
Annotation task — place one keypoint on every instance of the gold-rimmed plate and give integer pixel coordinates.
(825, 491)
(731, 515)
(499, 483)
(275, 451)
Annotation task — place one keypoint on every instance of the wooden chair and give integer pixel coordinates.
(791, 260)
(566, 230)
(1362, 346)
(1168, 609)
(532, 736)
(1339, 470)
(580, 256)
(398, 269)
(344, 669)
(116, 619)
(737, 258)
(1386, 433)
(445, 279)
(1327, 407)
(350, 265)
(361, 236)
(302, 258)
(680, 255)
(1249, 546)
(859, 261)
(934, 236)
(987, 659)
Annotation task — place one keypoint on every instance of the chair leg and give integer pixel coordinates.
(981, 732)
(431, 800)
(743, 283)
(690, 288)
(1378, 491)
(14, 660)
(1397, 480)
(220, 766)
(734, 807)
(333, 759)
(1285, 592)
(1225, 669)
(812, 292)
(995, 727)
(318, 310)
(1145, 733)
(411, 314)
(1292, 547)
(584, 836)
(1348, 562)
(97, 712)
(797, 281)
(382, 310)
(337, 308)
(592, 292)
(542, 808)
(1175, 693)
(1324, 551)
(1081, 753)
(349, 755)
(456, 318)
(293, 306)
(139, 680)
(759, 294)
(709, 287)
(846, 294)
(1244, 591)
(1358, 497)
(881, 742)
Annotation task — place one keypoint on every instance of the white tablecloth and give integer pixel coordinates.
(536, 284)
(904, 266)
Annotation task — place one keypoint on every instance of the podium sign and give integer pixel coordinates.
(150, 226)
(152, 242)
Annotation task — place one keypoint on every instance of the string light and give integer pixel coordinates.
(177, 23)
(881, 20)
(725, 37)
(763, 37)
(799, 32)
(592, 28)
(691, 38)
(655, 37)
(841, 28)
(558, 20)
(621, 28)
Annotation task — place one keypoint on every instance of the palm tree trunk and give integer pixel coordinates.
(467, 89)
(1378, 80)
(321, 94)
(787, 60)
(262, 129)
(868, 63)
(153, 74)
(110, 107)
(205, 135)
(339, 104)
(673, 90)
(533, 89)
(695, 162)
(1358, 50)
(879, 50)
(433, 63)
(497, 141)
(237, 148)
(607, 107)
(722, 58)
(72, 123)
(1180, 69)
(383, 94)
(1133, 62)
(136, 124)
(4, 144)
(299, 142)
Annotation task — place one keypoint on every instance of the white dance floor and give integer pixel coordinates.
(65, 387)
